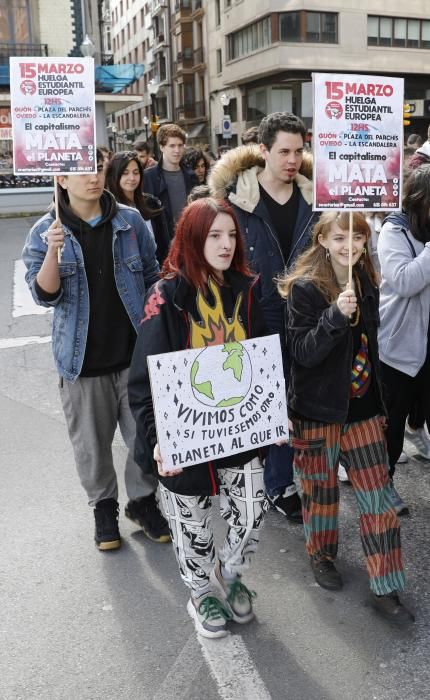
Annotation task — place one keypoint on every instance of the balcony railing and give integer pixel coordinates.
(199, 56)
(107, 59)
(191, 110)
(10, 49)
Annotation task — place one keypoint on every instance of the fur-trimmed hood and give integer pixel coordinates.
(234, 177)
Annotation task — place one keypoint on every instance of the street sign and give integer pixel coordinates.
(226, 127)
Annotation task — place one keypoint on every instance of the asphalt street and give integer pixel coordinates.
(78, 623)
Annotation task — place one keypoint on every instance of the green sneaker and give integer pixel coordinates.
(235, 594)
(209, 615)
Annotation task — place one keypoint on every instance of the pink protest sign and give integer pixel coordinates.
(358, 141)
(53, 115)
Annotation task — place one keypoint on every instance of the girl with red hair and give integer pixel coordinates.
(205, 267)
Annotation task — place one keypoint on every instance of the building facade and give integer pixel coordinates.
(263, 52)
(169, 37)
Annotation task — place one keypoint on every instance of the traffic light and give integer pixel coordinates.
(406, 114)
(155, 125)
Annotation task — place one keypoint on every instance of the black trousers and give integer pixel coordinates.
(401, 392)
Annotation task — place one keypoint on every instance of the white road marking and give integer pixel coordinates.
(23, 304)
(178, 683)
(233, 669)
(27, 340)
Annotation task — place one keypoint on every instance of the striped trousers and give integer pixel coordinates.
(362, 450)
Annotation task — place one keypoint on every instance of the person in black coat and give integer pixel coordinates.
(170, 181)
(206, 262)
(335, 402)
(125, 179)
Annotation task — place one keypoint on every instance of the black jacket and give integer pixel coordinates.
(235, 177)
(320, 342)
(165, 327)
(155, 184)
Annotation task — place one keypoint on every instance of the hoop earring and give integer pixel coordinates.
(327, 254)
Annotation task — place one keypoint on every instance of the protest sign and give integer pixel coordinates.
(219, 400)
(53, 115)
(358, 141)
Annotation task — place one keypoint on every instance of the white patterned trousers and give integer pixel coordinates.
(243, 504)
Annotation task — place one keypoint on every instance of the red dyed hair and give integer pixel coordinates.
(186, 257)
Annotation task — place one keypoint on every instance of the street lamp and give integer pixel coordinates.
(153, 86)
(225, 101)
(145, 124)
(114, 130)
(88, 47)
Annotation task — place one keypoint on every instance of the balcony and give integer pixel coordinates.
(197, 9)
(184, 62)
(191, 110)
(160, 42)
(107, 59)
(199, 57)
(10, 49)
(158, 6)
(182, 12)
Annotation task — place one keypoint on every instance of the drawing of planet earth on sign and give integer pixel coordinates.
(221, 375)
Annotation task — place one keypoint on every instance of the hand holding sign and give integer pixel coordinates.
(55, 238)
(347, 302)
(158, 459)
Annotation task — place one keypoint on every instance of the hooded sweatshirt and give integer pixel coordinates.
(111, 336)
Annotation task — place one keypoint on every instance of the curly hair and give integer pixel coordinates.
(167, 131)
(279, 121)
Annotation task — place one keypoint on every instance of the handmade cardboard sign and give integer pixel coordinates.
(219, 400)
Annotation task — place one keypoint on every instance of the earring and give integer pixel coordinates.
(363, 257)
(327, 254)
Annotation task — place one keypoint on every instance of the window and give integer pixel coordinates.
(313, 27)
(398, 31)
(217, 12)
(232, 109)
(218, 61)
(256, 104)
(265, 100)
(249, 39)
(15, 21)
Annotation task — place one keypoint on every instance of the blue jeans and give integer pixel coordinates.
(278, 470)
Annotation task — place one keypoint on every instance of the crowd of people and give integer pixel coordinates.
(123, 265)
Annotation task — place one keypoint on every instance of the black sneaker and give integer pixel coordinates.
(106, 516)
(288, 503)
(326, 574)
(146, 513)
(391, 608)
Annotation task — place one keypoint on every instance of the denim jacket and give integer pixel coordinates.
(135, 270)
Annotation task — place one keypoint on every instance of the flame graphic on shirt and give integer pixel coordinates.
(215, 327)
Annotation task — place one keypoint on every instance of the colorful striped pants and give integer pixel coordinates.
(362, 450)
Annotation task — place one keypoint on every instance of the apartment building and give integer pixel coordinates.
(262, 54)
(140, 32)
(168, 36)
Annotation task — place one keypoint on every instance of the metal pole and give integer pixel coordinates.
(154, 118)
